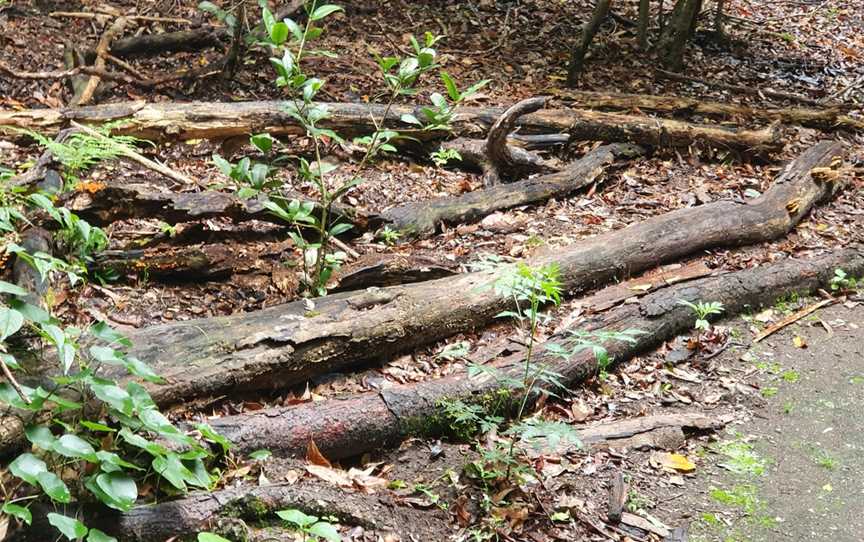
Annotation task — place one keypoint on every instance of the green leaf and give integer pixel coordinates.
(263, 142)
(172, 469)
(110, 458)
(279, 33)
(340, 228)
(40, 436)
(210, 434)
(95, 426)
(30, 312)
(120, 488)
(70, 527)
(28, 467)
(138, 368)
(210, 537)
(54, 487)
(8, 288)
(323, 11)
(452, 89)
(74, 446)
(296, 517)
(138, 441)
(19, 512)
(324, 530)
(10, 322)
(10, 361)
(115, 396)
(103, 331)
(98, 536)
(140, 396)
(261, 455)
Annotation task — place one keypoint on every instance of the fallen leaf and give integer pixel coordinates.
(672, 461)
(314, 455)
(799, 342)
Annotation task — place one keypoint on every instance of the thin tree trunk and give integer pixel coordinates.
(577, 58)
(674, 40)
(644, 22)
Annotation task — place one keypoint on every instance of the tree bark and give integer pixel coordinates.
(284, 345)
(675, 36)
(421, 219)
(826, 118)
(221, 120)
(577, 58)
(644, 22)
(347, 427)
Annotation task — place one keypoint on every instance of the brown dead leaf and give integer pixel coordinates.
(314, 455)
(671, 462)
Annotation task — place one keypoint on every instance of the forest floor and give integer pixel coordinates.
(786, 467)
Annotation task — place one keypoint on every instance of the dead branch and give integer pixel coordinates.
(101, 50)
(504, 165)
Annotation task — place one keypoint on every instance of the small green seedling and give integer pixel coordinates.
(703, 310)
(309, 526)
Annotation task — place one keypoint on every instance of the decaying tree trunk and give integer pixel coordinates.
(347, 427)
(825, 118)
(422, 218)
(682, 24)
(284, 345)
(203, 261)
(601, 10)
(221, 120)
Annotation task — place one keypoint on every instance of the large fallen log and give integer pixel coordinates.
(221, 120)
(286, 344)
(816, 117)
(422, 218)
(350, 426)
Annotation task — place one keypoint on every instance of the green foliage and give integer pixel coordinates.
(841, 281)
(103, 452)
(702, 311)
(225, 17)
(442, 157)
(390, 237)
(310, 526)
(80, 151)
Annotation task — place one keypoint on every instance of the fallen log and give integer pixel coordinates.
(202, 511)
(751, 90)
(284, 345)
(346, 427)
(221, 120)
(826, 118)
(422, 218)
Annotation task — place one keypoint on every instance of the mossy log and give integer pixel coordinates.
(157, 121)
(285, 345)
(346, 427)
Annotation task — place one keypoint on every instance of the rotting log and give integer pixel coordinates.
(422, 218)
(203, 511)
(197, 120)
(825, 118)
(284, 345)
(346, 427)
(381, 270)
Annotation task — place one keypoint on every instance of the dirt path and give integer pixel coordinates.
(794, 471)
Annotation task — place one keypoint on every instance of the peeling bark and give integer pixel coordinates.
(221, 120)
(346, 427)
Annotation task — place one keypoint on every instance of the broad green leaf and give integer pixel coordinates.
(110, 458)
(279, 33)
(138, 368)
(10, 322)
(323, 11)
(32, 313)
(40, 436)
(9, 288)
(140, 396)
(115, 396)
(296, 517)
(120, 487)
(260, 455)
(263, 142)
(103, 331)
(10, 361)
(140, 442)
(172, 469)
(98, 536)
(210, 537)
(74, 446)
(19, 512)
(28, 467)
(210, 434)
(70, 527)
(54, 487)
(324, 530)
(96, 426)
(452, 89)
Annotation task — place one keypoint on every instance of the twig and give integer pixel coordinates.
(101, 50)
(205, 71)
(133, 155)
(348, 250)
(91, 15)
(11, 378)
(792, 318)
